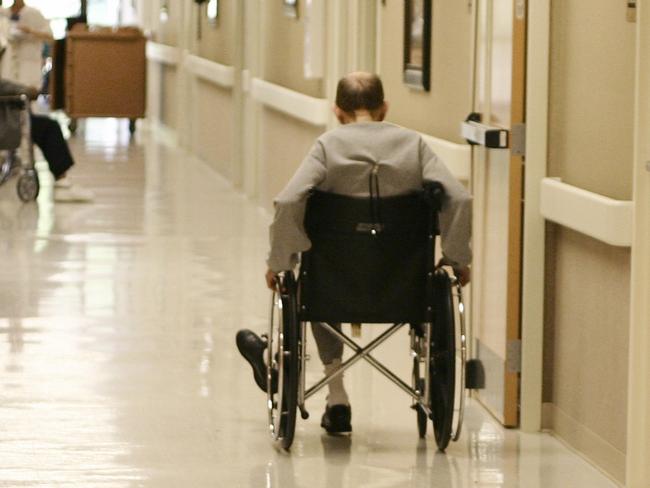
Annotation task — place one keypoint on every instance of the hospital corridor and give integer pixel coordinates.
(168, 153)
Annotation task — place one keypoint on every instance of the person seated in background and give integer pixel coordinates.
(341, 161)
(46, 134)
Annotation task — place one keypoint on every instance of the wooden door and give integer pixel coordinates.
(497, 187)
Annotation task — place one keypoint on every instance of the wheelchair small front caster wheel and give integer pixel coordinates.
(72, 125)
(132, 126)
(28, 186)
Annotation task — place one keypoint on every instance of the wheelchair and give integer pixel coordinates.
(17, 133)
(372, 261)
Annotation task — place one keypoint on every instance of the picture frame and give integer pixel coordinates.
(290, 8)
(417, 44)
(212, 10)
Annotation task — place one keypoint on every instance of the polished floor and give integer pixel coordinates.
(117, 359)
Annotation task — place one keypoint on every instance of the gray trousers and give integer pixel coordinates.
(329, 347)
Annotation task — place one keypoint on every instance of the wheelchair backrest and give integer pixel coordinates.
(10, 123)
(372, 259)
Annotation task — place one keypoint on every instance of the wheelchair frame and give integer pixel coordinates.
(435, 394)
(27, 185)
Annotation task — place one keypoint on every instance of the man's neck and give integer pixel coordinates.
(363, 116)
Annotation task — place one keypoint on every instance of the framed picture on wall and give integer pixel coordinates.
(417, 44)
(213, 12)
(290, 8)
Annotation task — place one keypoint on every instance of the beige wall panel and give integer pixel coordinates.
(168, 31)
(440, 111)
(214, 130)
(587, 335)
(283, 50)
(284, 142)
(591, 112)
(168, 97)
(216, 43)
(592, 96)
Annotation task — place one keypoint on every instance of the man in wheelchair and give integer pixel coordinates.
(365, 156)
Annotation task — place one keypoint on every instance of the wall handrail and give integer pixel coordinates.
(603, 218)
(163, 53)
(457, 157)
(211, 71)
(315, 111)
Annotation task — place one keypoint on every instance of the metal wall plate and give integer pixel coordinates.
(518, 139)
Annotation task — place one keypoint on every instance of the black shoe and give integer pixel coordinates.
(252, 347)
(336, 419)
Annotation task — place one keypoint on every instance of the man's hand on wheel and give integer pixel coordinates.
(271, 279)
(463, 274)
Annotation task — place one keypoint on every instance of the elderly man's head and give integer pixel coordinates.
(360, 96)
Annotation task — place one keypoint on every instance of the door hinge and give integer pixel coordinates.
(513, 356)
(520, 9)
(631, 10)
(518, 139)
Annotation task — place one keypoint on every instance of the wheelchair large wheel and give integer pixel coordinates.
(283, 363)
(443, 353)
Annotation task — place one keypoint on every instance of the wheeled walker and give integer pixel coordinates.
(17, 135)
(372, 261)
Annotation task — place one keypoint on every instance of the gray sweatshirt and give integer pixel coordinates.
(341, 161)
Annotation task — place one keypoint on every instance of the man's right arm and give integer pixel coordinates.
(455, 216)
(287, 234)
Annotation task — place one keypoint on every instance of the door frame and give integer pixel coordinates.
(510, 416)
(638, 413)
(534, 232)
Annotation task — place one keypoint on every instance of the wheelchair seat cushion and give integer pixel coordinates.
(369, 259)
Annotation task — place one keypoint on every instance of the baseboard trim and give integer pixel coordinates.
(585, 442)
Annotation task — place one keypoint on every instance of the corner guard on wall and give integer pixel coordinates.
(457, 157)
(163, 54)
(595, 215)
(312, 110)
(211, 71)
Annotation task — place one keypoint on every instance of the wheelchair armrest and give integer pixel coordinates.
(434, 194)
(21, 100)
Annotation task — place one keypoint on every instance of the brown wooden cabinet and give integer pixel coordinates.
(104, 73)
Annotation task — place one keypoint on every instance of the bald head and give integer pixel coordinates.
(360, 91)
